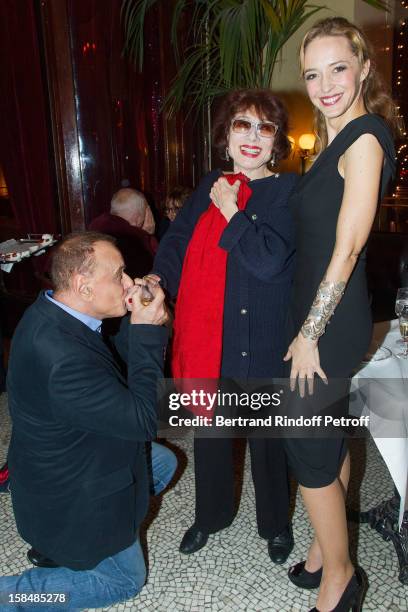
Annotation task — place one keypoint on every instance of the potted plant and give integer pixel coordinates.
(232, 43)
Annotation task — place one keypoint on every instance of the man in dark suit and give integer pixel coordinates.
(131, 222)
(77, 455)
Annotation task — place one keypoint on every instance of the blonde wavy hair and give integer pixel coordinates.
(376, 98)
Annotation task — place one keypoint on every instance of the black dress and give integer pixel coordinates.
(316, 204)
(260, 246)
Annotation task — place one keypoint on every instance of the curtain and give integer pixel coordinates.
(25, 150)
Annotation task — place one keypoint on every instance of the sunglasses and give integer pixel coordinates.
(264, 129)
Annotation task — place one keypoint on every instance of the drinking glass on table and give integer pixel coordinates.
(403, 325)
(400, 302)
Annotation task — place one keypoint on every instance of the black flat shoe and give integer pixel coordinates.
(39, 560)
(353, 595)
(304, 579)
(193, 540)
(280, 547)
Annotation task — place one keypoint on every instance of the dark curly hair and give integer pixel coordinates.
(268, 108)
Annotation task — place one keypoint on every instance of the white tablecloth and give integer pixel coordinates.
(383, 387)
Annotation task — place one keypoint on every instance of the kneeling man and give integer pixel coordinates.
(80, 422)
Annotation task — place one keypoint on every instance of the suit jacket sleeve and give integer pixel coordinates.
(89, 394)
(120, 340)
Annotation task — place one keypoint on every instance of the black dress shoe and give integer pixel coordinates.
(193, 540)
(304, 579)
(353, 595)
(280, 547)
(40, 560)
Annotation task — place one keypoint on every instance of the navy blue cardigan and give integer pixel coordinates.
(260, 246)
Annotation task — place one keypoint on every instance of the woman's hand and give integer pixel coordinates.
(152, 279)
(305, 363)
(225, 196)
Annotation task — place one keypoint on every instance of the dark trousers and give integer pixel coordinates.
(214, 482)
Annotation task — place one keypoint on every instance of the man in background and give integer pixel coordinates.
(131, 222)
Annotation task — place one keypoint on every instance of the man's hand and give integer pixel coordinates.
(154, 313)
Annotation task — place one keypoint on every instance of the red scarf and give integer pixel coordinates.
(198, 325)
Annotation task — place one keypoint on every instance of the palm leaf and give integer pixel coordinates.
(382, 5)
(133, 15)
(177, 15)
(202, 86)
(284, 21)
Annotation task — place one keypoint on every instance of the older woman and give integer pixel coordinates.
(229, 257)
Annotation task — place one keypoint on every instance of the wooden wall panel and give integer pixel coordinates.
(92, 120)
(114, 129)
(63, 128)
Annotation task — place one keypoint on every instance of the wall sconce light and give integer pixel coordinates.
(3, 185)
(306, 146)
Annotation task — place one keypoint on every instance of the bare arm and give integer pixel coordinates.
(362, 166)
(363, 162)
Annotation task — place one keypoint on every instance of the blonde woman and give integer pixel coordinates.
(334, 207)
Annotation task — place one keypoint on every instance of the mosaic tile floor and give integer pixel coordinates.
(233, 572)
